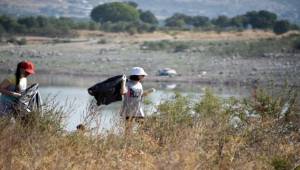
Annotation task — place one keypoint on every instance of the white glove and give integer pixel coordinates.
(124, 78)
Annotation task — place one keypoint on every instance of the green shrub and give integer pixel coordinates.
(22, 41)
(296, 44)
(2, 31)
(267, 105)
(12, 40)
(281, 27)
(130, 27)
(176, 111)
(102, 41)
(42, 26)
(281, 164)
(235, 107)
(172, 116)
(181, 48)
(131, 30)
(166, 45)
(209, 105)
(156, 45)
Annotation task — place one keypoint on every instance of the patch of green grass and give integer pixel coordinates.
(224, 48)
(281, 164)
(166, 45)
(210, 105)
(253, 48)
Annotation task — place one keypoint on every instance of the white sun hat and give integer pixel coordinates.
(138, 71)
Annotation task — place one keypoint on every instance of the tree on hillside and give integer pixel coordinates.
(177, 20)
(10, 24)
(42, 21)
(281, 27)
(115, 12)
(148, 17)
(131, 3)
(29, 22)
(239, 21)
(221, 21)
(200, 21)
(2, 31)
(262, 19)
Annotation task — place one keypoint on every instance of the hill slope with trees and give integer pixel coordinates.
(288, 9)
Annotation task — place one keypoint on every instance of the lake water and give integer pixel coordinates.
(71, 93)
(77, 99)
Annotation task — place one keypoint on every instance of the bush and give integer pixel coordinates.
(281, 27)
(176, 111)
(296, 44)
(177, 20)
(181, 48)
(2, 31)
(102, 41)
(281, 164)
(22, 41)
(148, 17)
(132, 28)
(210, 105)
(160, 45)
(42, 26)
(172, 116)
(16, 41)
(166, 45)
(266, 105)
(12, 40)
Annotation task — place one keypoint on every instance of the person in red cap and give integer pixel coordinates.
(12, 87)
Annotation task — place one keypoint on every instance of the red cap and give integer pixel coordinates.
(28, 66)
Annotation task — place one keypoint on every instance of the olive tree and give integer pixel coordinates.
(114, 12)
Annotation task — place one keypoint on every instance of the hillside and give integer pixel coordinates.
(288, 9)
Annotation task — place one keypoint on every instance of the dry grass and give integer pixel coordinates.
(170, 35)
(178, 35)
(176, 138)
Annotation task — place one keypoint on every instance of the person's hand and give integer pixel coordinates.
(124, 78)
(152, 90)
(16, 94)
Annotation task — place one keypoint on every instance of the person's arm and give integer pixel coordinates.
(3, 90)
(123, 90)
(148, 91)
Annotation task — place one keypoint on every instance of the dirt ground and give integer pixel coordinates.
(96, 53)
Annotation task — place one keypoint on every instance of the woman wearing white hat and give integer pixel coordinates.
(133, 96)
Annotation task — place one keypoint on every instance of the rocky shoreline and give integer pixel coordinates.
(205, 61)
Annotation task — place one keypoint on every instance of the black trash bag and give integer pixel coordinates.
(107, 91)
